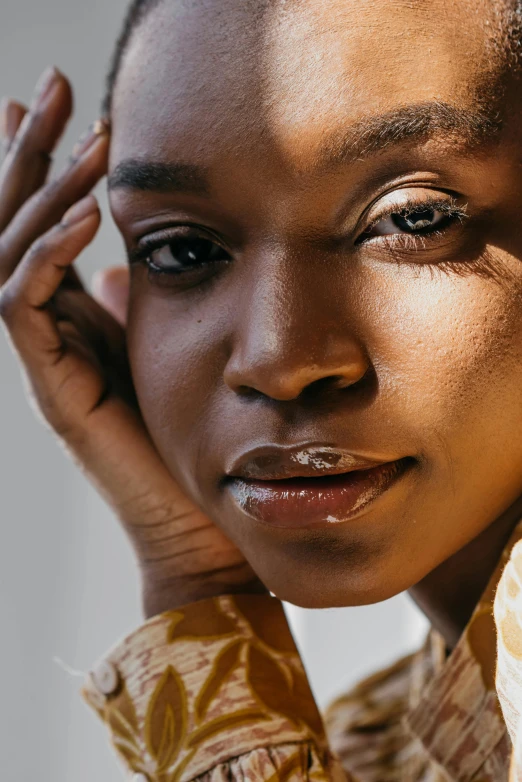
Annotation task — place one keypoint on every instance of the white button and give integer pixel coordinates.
(106, 678)
(140, 778)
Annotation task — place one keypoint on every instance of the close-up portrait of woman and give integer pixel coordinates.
(301, 384)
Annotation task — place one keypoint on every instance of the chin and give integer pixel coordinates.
(351, 564)
(331, 588)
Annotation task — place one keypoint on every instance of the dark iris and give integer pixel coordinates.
(414, 221)
(190, 252)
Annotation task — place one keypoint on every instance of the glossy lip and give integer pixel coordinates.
(309, 487)
(274, 463)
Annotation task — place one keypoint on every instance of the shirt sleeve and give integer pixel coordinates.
(508, 619)
(214, 691)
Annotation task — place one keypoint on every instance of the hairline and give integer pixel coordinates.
(506, 43)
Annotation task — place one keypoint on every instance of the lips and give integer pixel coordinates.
(309, 487)
(275, 464)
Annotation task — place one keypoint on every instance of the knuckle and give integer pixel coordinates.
(54, 419)
(38, 248)
(54, 195)
(67, 431)
(44, 200)
(44, 407)
(8, 302)
(52, 189)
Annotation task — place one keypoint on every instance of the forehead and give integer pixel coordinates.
(213, 76)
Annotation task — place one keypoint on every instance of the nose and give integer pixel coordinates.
(290, 339)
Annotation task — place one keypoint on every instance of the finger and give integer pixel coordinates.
(26, 166)
(110, 288)
(25, 299)
(97, 328)
(47, 207)
(11, 116)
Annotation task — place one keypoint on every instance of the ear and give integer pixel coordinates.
(110, 288)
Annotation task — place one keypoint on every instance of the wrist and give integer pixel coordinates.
(161, 596)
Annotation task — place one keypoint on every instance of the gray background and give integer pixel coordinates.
(68, 585)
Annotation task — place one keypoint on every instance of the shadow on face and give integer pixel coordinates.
(320, 205)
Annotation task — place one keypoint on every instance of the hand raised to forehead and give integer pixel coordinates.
(73, 352)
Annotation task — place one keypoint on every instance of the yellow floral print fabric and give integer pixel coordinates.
(216, 692)
(508, 618)
(218, 680)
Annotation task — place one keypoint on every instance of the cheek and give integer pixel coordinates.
(455, 361)
(177, 361)
(447, 351)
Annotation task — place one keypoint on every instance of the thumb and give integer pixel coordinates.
(110, 288)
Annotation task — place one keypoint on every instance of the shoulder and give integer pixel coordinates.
(364, 726)
(384, 695)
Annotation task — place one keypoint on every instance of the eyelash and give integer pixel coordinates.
(447, 206)
(148, 245)
(412, 242)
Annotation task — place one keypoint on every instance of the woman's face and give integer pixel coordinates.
(331, 208)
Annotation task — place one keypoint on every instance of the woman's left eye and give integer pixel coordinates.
(409, 221)
(182, 254)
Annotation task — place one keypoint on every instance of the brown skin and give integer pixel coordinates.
(74, 357)
(417, 348)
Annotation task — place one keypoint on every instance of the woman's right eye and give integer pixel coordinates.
(182, 254)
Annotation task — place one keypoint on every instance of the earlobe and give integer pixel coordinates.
(110, 288)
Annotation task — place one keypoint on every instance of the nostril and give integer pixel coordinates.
(341, 381)
(337, 383)
(247, 391)
(331, 383)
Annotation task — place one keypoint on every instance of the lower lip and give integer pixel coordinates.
(315, 502)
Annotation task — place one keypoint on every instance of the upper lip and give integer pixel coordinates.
(273, 463)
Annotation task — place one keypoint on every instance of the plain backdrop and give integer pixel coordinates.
(68, 584)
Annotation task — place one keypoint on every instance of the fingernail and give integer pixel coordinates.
(97, 129)
(45, 84)
(80, 211)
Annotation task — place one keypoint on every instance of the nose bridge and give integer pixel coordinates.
(293, 329)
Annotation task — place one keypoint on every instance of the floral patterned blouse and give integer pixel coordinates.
(216, 692)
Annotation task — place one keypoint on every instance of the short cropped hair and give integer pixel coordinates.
(136, 12)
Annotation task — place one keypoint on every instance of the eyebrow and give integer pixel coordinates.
(137, 174)
(369, 136)
(416, 122)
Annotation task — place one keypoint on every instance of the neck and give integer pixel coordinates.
(449, 594)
